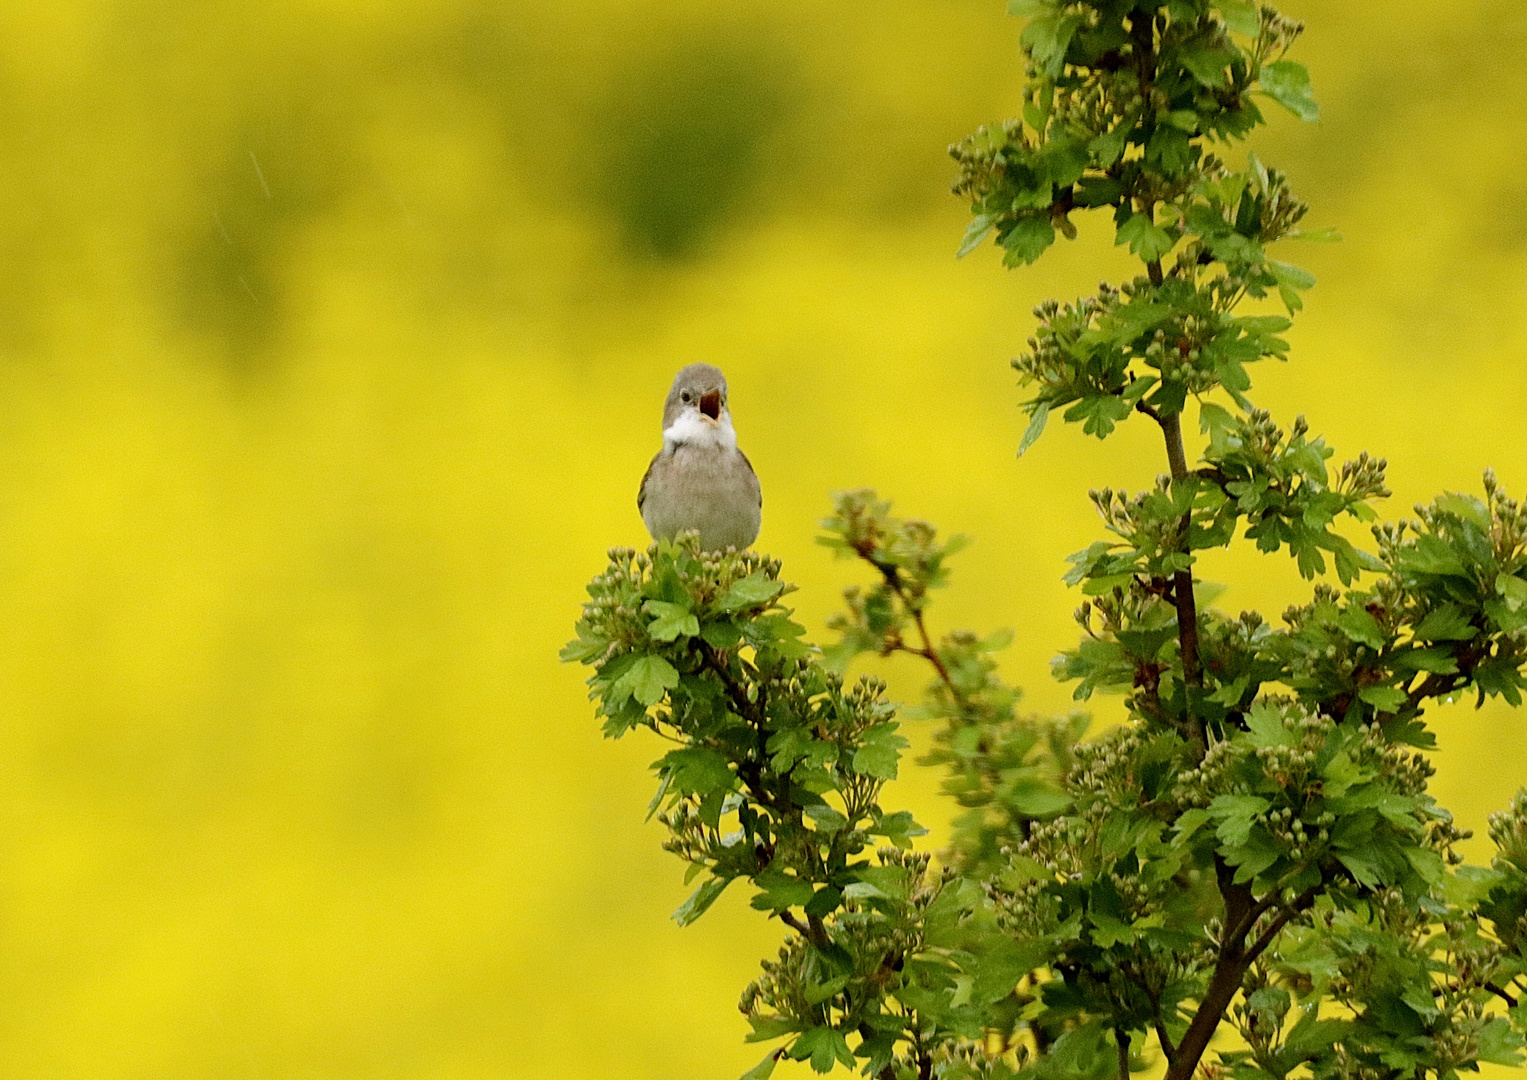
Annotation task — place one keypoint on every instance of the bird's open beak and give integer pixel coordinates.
(710, 404)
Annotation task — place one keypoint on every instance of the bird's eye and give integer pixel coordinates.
(683, 395)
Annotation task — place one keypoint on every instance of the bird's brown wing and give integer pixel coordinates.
(752, 475)
(641, 492)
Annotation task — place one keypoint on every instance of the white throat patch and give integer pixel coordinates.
(693, 429)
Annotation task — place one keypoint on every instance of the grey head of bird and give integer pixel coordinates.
(699, 389)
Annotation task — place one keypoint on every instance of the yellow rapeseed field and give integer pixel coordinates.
(333, 340)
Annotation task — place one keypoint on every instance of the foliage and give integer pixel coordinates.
(1256, 848)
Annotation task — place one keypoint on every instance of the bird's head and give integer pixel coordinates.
(698, 394)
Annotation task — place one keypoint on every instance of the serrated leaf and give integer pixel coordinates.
(1383, 698)
(1288, 84)
(697, 770)
(755, 589)
(700, 900)
(763, 1070)
(1036, 426)
(672, 621)
(770, 1027)
(1028, 240)
(1466, 507)
(823, 1045)
(1109, 146)
(582, 650)
(1145, 238)
(1499, 1043)
(780, 891)
(1034, 798)
(1047, 37)
(647, 679)
(1240, 16)
(1207, 66)
(1294, 277)
(975, 232)
(1359, 625)
(898, 827)
(1267, 728)
(825, 818)
(1431, 555)
(880, 752)
(1446, 622)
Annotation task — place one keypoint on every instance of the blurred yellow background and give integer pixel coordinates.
(333, 341)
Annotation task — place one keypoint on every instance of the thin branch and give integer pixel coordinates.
(1252, 914)
(927, 652)
(1301, 903)
(813, 931)
(1501, 993)
(1182, 582)
(1161, 1034)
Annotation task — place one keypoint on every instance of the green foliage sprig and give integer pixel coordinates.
(1254, 850)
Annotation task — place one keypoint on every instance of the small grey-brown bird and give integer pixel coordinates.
(700, 480)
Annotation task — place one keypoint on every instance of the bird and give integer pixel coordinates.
(699, 479)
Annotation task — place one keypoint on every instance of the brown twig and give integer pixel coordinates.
(1501, 993)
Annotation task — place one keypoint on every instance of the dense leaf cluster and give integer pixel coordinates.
(1248, 877)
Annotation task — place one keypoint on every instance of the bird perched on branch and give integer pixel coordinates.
(700, 480)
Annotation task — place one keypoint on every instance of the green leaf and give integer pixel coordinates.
(1145, 238)
(1033, 798)
(771, 1027)
(1206, 65)
(816, 993)
(1028, 240)
(825, 818)
(1288, 274)
(1036, 427)
(1267, 727)
(647, 679)
(1240, 16)
(673, 621)
(697, 770)
(1446, 622)
(975, 232)
(581, 650)
(751, 591)
(700, 900)
(1109, 146)
(780, 891)
(1431, 555)
(763, 1070)
(1047, 37)
(898, 828)
(1466, 507)
(1359, 625)
(721, 635)
(1288, 84)
(878, 755)
(823, 1045)
(1235, 814)
(1383, 698)
(1319, 236)
(1437, 659)
(1099, 413)
(1499, 1044)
